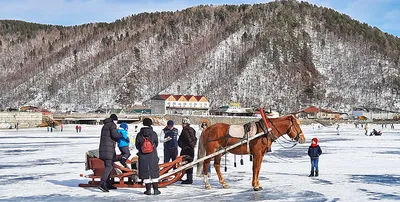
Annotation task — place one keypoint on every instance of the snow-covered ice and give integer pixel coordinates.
(37, 165)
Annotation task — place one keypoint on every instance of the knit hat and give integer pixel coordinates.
(114, 117)
(124, 125)
(314, 142)
(170, 123)
(186, 121)
(147, 122)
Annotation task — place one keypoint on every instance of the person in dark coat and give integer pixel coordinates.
(187, 142)
(148, 162)
(170, 142)
(108, 138)
(314, 151)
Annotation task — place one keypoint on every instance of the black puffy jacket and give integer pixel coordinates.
(187, 139)
(109, 135)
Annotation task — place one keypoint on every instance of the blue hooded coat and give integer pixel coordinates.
(124, 141)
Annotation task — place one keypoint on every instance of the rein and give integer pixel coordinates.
(295, 141)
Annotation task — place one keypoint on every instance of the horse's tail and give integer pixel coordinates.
(201, 152)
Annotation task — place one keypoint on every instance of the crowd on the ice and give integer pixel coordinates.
(146, 143)
(147, 155)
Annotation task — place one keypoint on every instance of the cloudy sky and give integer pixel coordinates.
(384, 14)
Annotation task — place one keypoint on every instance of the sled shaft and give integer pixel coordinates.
(191, 164)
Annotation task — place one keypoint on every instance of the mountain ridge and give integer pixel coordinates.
(285, 55)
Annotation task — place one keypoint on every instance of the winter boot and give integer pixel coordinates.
(148, 189)
(311, 174)
(155, 188)
(316, 173)
(189, 179)
(123, 162)
(110, 186)
(103, 187)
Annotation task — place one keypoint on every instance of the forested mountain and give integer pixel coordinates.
(283, 54)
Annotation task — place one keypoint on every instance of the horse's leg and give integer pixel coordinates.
(217, 165)
(257, 160)
(206, 163)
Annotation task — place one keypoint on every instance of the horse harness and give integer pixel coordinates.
(246, 135)
(287, 132)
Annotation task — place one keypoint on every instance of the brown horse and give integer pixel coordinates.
(216, 137)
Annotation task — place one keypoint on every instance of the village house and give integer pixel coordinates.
(319, 113)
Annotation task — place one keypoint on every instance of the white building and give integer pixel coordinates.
(179, 104)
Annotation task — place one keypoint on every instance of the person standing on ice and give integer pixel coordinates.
(314, 151)
(366, 129)
(337, 129)
(148, 160)
(108, 138)
(187, 141)
(170, 142)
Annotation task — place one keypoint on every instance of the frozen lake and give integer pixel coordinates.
(40, 166)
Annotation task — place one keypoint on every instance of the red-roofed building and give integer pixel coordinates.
(318, 113)
(179, 104)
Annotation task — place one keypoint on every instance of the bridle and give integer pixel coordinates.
(293, 140)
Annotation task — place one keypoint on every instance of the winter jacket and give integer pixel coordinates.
(109, 135)
(187, 139)
(124, 141)
(173, 135)
(148, 163)
(314, 152)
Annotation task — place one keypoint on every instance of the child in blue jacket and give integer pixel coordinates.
(314, 151)
(123, 144)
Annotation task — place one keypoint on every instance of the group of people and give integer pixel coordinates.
(78, 128)
(147, 158)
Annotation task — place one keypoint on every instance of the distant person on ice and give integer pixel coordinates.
(337, 129)
(123, 144)
(366, 129)
(170, 142)
(314, 151)
(109, 136)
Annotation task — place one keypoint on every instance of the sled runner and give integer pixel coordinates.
(128, 177)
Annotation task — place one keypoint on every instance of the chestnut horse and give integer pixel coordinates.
(216, 137)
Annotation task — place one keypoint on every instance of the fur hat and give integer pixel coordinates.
(114, 117)
(147, 122)
(186, 121)
(124, 125)
(170, 123)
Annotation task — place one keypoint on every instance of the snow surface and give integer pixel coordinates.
(40, 166)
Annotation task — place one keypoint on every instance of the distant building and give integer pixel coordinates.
(234, 109)
(373, 114)
(319, 113)
(179, 104)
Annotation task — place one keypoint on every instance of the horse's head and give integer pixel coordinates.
(295, 131)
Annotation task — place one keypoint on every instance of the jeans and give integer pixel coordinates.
(314, 164)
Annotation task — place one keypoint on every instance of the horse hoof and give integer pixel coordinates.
(257, 188)
(208, 186)
(225, 186)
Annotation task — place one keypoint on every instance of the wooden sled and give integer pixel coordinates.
(128, 178)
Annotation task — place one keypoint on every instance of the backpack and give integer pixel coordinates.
(147, 147)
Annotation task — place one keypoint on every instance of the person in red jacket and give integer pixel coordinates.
(314, 151)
